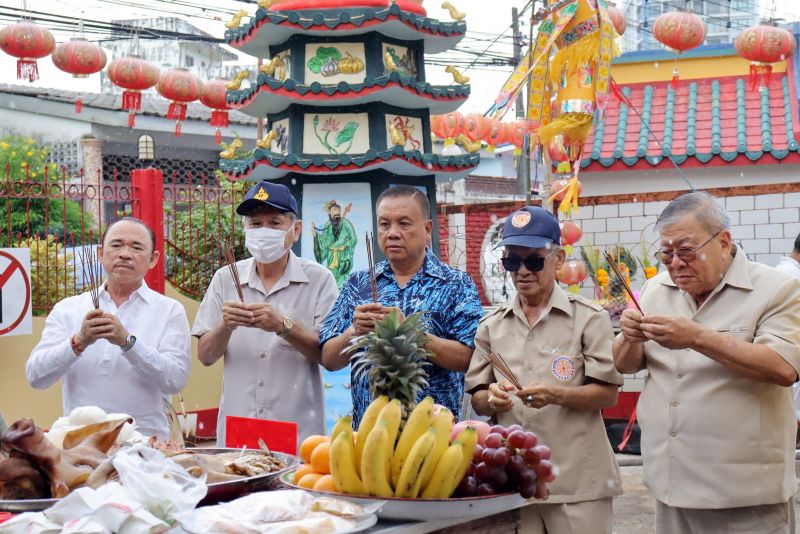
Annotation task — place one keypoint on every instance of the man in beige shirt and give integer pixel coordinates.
(269, 341)
(720, 338)
(559, 344)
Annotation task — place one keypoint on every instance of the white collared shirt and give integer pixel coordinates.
(135, 382)
(264, 376)
(791, 266)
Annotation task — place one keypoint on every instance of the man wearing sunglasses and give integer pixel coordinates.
(720, 338)
(558, 345)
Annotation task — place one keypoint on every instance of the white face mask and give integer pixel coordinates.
(266, 245)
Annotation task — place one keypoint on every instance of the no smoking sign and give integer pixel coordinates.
(15, 292)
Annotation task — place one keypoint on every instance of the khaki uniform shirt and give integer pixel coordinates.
(264, 376)
(570, 343)
(710, 437)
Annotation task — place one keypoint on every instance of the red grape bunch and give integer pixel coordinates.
(509, 460)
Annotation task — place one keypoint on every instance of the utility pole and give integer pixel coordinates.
(520, 105)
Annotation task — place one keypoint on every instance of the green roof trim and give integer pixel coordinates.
(787, 115)
(352, 16)
(669, 123)
(691, 121)
(644, 130)
(766, 128)
(619, 149)
(741, 117)
(320, 162)
(726, 131)
(316, 88)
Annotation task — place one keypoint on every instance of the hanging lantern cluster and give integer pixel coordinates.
(680, 31)
(474, 128)
(212, 95)
(180, 87)
(763, 45)
(80, 58)
(27, 42)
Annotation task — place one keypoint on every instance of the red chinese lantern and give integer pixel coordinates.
(571, 233)
(180, 87)
(436, 126)
(134, 75)
(762, 45)
(515, 133)
(497, 134)
(572, 273)
(80, 58)
(679, 30)
(212, 94)
(28, 42)
(476, 126)
(617, 18)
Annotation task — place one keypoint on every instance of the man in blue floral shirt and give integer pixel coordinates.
(411, 279)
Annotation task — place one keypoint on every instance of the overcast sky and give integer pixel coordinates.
(485, 20)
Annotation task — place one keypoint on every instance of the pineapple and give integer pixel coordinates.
(394, 357)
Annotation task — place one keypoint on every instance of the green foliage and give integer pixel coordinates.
(193, 238)
(52, 272)
(324, 53)
(27, 161)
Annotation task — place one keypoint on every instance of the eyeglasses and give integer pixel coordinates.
(685, 254)
(533, 263)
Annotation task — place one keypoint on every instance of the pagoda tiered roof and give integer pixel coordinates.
(270, 95)
(271, 27)
(268, 165)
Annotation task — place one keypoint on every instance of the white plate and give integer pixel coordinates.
(427, 509)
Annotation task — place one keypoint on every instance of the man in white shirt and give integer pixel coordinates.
(791, 265)
(269, 341)
(128, 355)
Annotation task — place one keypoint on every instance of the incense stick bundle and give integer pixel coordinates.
(373, 283)
(230, 259)
(90, 259)
(500, 365)
(615, 268)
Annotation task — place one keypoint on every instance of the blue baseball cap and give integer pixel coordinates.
(267, 193)
(531, 227)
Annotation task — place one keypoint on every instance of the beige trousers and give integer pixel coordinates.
(766, 519)
(574, 518)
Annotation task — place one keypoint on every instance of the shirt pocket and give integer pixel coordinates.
(562, 365)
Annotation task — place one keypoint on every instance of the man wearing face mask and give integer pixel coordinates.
(270, 341)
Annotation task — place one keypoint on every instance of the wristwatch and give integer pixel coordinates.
(288, 324)
(130, 341)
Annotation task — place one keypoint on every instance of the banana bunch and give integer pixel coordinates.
(421, 462)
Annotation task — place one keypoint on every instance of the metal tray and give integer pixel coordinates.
(397, 509)
(217, 492)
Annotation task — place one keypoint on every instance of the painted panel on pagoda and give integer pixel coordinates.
(404, 131)
(336, 133)
(400, 59)
(331, 63)
(280, 144)
(279, 66)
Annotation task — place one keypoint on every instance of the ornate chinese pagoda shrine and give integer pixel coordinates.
(342, 87)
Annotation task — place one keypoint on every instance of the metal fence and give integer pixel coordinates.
(56, 215)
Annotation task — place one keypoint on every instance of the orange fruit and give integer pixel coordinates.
(302, 471)
(325, 483)
(321, 458)
(309, 444)
(309, 480)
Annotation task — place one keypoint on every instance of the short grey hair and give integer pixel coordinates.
(701, 205)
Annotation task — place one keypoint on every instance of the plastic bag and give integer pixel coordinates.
(163, 486)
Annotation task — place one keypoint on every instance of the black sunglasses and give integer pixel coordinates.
(533, 263)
